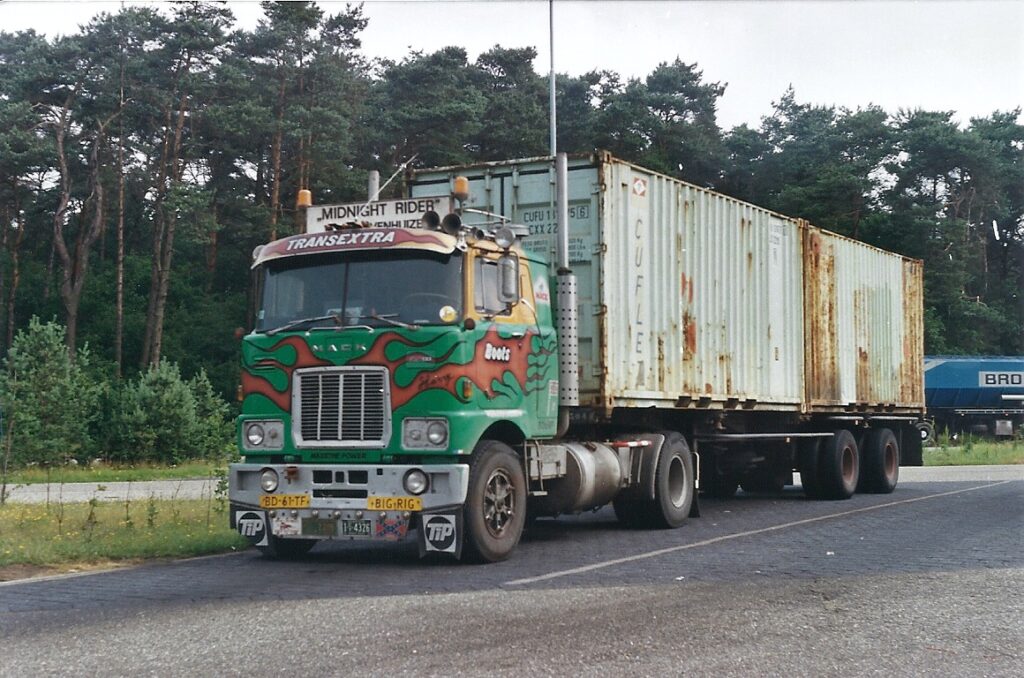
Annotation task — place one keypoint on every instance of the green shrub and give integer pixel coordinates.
(49, 401)
(160, 417)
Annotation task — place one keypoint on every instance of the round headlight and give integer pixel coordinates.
(437, 433)
(254, 435)
(268, 480)
(415, 482)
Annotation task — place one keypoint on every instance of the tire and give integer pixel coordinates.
(495, 511)
(673, 483)
(286, 549)
(881, 462)
(839, 466)
(810, 464)
(926, 431)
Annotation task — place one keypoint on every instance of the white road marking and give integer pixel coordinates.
(738, 535)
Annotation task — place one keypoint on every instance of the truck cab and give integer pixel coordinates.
(380, 360)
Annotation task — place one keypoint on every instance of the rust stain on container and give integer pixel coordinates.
(690, 333)
(912, 365)
(821, 346)
(661, 362)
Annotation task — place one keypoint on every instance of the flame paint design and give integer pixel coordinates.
(483, 370)
(257, 384)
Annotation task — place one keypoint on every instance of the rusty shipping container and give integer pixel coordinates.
(690, 299)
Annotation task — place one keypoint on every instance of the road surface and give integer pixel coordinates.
(925, 581)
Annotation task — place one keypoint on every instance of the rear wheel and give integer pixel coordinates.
(495, 510)
(839, 466)
(673, 483)
(673, 490)
(881, 457)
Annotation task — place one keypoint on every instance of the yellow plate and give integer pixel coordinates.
(394, 504)
(284, 501)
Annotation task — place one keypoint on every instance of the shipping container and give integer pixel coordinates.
(692, 300)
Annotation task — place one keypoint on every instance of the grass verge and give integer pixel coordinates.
(973, 453)
(106, 473)
(95, 532)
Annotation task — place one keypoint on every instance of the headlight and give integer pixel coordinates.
(268, 480)
(254, 434)
(424, 434)
(416, 482)
(263, 434)
(437, 433)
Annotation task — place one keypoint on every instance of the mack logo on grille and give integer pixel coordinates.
(440, 533)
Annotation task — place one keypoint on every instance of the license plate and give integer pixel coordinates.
(355, 528)
(284, 501)
(316, 527)
(394, 504)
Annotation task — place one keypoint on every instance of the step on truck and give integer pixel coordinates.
(541, 337)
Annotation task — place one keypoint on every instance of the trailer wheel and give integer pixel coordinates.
(926, 431)
(673, 483)
(286, 549)
(495, 510)
(839, 466)
(810, 464)
(881, 457)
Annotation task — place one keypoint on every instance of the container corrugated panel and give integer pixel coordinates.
(864, 325)
(712, 288)
(689, 298)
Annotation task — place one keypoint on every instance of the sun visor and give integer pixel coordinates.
(356, 239)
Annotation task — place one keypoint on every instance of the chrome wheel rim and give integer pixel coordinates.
(499, 502)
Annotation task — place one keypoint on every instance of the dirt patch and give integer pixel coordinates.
(27, 571)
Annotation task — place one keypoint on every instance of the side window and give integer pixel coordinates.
(486, 288)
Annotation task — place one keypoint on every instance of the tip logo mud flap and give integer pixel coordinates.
(253, 526)
(441, 533)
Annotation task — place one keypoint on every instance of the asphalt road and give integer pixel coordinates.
(926, 581)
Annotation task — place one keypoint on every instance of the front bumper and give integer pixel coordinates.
(338, 496)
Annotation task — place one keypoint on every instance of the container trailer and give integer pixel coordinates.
(531, 338)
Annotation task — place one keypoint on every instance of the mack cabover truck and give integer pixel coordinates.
(546, 336)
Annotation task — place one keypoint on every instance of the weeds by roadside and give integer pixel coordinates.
(973, 452)
(100, 531)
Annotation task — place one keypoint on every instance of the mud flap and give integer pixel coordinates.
(440, 532)
(252, 525)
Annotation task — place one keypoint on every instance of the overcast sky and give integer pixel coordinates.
(966, 56)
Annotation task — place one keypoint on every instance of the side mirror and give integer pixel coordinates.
(508, 279)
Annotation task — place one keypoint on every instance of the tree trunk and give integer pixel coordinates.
(164, 281)
(275, 152)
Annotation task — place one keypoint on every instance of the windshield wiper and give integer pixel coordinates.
(303, 321)
(389, 318)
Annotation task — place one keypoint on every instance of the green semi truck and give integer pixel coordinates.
(546, 336)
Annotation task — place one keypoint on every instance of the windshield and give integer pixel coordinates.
(360, 288)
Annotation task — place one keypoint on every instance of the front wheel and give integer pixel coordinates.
(495, 510)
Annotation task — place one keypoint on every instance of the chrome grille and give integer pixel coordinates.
(341, 407)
